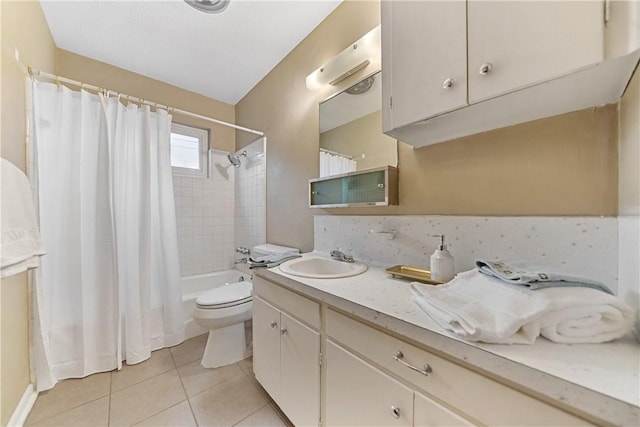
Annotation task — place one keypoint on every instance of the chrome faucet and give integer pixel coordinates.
(341, 256)
(242, 250)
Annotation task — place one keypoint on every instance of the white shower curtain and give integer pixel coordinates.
(335, 164)
(109, 285)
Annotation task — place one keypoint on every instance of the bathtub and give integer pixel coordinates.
(192, 286)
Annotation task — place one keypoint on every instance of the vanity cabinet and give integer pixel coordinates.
(371, 377)
(443, 392)
(286, 347)
(444, 60)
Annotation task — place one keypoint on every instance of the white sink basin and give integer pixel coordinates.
(322, 268)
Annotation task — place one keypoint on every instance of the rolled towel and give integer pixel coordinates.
(534, 275)
(584, 315)
(482, 308)
(479, 307)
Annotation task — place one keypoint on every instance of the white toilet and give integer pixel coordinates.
(223, 310)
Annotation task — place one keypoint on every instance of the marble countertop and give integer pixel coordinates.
(602, 380)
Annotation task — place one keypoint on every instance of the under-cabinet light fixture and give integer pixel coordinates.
(362, 53)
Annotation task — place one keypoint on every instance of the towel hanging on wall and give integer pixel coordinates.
(21, 242)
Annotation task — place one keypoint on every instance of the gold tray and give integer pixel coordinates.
(412, 273)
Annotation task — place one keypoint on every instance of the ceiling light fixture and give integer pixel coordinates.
(209, 6)
(361, 87)
(364, 53)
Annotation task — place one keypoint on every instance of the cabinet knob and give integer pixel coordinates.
(395, 411)
(273, 324)
(485, 68)
(283, 331)
(447, 83)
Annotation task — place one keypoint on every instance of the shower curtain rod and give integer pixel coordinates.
(336, 153)
(33, 73)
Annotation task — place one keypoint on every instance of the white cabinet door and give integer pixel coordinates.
(424, 57)
(357, 394)
(426, 412)
(299, 372)
(266, 346)
(527, 42)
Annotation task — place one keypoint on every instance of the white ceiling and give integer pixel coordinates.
(222, 56)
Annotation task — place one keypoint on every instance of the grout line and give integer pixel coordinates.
(53, 390)
(184, 389)
(124, 366)
(159, 412)
(110, 392)
(259, 409)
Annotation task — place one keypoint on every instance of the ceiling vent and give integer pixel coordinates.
(209, 6)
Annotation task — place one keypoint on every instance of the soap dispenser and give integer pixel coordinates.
(441, 262)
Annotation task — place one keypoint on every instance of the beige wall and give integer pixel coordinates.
(363, 140)
(630, 149)
(23, 28)
(282, 107)
(98, 73)
(565, 165)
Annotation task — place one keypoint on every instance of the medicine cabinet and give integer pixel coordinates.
(371, 187)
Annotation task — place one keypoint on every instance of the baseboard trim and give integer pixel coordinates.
(24, 407)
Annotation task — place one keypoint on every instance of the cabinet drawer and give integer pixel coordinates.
(360, 395)
(483, 399)
(300, 307)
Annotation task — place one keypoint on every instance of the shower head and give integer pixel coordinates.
(235, 158)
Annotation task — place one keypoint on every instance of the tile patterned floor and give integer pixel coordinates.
(169, 389)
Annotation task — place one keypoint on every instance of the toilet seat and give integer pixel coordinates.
(229, 295)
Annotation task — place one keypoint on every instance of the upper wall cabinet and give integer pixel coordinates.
(454, 68)
(513, 44)
(424, 45)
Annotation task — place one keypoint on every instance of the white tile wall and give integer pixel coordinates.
(217, 214)
(586, 246)
(250, 207)
(205, 218)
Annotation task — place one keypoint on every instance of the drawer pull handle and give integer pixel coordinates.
(395, 411)
(273, 324)
(283, 331)
(425, 371)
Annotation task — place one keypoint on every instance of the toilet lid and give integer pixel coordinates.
(235, 293)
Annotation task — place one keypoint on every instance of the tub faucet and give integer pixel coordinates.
(242, 260)
(341, 256)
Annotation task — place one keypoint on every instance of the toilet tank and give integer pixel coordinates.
(268, 249)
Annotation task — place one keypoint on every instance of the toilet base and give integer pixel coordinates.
(225, 346)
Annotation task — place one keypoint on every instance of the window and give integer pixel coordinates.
(189, 150)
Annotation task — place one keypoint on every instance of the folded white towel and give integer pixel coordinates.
(21, 242)
(584, 315)
(482, 308)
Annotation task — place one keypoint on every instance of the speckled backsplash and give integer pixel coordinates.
(585, 246)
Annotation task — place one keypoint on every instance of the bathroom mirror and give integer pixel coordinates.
(351, 137)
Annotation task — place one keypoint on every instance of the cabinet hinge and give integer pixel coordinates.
(607, 11)
(391, 102)
(320, 358)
